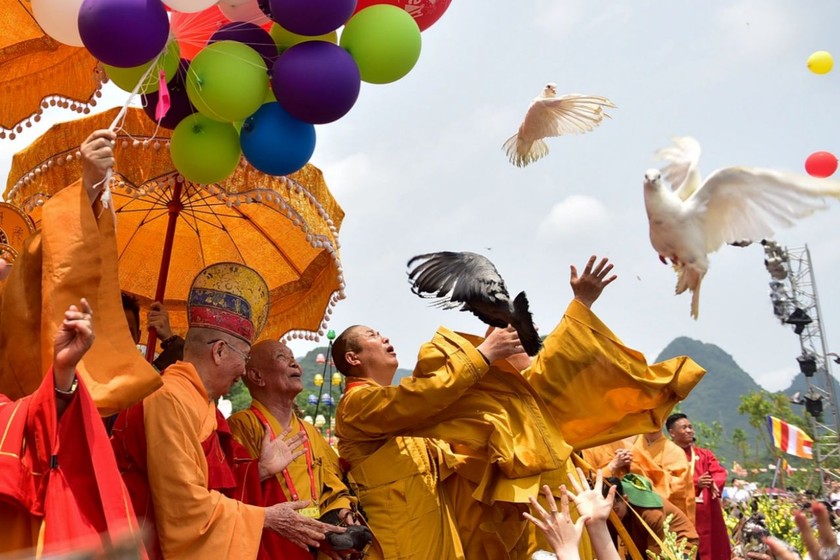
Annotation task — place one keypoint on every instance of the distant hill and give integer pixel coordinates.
(718, 394)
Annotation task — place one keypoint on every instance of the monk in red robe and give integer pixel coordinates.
(709, 478)
(60, 489)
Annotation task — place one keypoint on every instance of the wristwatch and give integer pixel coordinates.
(67, 395)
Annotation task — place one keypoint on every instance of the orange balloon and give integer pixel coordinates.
(192, 31)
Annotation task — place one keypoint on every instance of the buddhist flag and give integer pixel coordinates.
(789, 438)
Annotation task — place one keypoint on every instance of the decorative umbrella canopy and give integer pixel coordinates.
(36, 71)
(15, 227)
(284, 227)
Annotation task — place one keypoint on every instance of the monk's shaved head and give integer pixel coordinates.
(347, 341)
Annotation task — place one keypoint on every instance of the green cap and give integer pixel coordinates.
(639, 491)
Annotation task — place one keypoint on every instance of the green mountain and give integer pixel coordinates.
(718, 395)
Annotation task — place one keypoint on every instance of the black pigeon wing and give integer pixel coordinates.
(523, 322)
(468, 280)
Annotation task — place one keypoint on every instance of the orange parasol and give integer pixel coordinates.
(36, 71)
(284, 227)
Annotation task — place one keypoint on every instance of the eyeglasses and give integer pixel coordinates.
(245, 355)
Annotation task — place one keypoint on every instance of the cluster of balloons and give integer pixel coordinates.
(821, 164)
(244, 77)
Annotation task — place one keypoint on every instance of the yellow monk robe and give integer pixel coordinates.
(598, 389)
(674, 481)
(329, 492)
(600, 456)
(192, 521)
(397, 477)
(73, 256)
(591, 379)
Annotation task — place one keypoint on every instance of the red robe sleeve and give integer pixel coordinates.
(62, 472)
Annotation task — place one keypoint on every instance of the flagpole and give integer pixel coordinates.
(776, 472)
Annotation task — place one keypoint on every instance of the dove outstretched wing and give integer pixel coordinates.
(681, 170)
(570, 114)
(743, 203)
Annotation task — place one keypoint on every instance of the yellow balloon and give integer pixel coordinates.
(821, 62)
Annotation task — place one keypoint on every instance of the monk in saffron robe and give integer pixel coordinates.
(397, 478)
(178, 450)
(57, 469)
(675, 484)
(653, 456)
(273, 378)
(60, 489)
(499, 433)
(74, 254)
(709, 477)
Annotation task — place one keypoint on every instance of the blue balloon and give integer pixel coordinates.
(313, 399)
(275, 142)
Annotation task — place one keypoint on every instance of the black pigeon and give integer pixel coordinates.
(472, 280)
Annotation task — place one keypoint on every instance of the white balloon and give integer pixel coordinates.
(190, 6)
(59, 19)
(243, 10)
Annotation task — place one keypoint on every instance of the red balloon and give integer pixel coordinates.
(821, 164)
(192, 31)
(424, 12)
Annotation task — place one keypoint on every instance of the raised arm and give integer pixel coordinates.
(72, 340)
(97, 158)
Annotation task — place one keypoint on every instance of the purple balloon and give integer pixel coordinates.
(312, 17)
(180, 106)
(316, 82)
(124, 33)
(252, 35)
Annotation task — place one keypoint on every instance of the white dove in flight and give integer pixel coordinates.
(694, 218)
(550, 115)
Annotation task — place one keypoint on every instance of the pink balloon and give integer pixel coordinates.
(424, 12)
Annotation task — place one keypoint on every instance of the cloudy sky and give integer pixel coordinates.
(417, 164)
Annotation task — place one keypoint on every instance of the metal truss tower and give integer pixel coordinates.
(793, 292)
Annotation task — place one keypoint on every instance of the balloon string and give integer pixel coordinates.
(117, 122)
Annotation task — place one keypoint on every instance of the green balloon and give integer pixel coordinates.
(127, 78)
(227, 81)
(384, 41)
(203, 150)
(284, 38)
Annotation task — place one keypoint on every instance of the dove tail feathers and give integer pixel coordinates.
(524, 325)
(521, 153)
(690, 279)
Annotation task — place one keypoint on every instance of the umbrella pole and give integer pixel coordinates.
(174, 206)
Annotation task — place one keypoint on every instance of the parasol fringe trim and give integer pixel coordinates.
(60, 101)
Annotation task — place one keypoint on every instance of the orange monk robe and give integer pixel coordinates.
(598, 389)
(600, 456)
(330, 492)
(395, 476)
(73, 256)
(60, 489)
(192, 521)
(670, 472)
